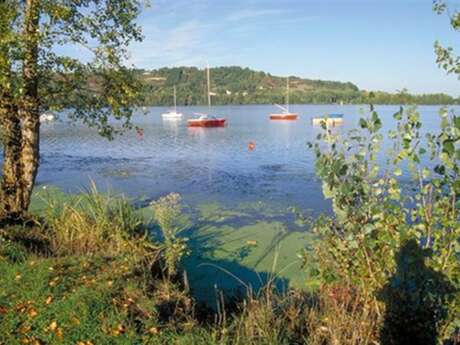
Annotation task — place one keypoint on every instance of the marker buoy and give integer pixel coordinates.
(251, 146)
(139, 132)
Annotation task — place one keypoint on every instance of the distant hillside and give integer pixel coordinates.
(236, 85)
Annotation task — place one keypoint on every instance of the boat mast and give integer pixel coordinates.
(209, 86)
(175, 103)
(287, 94)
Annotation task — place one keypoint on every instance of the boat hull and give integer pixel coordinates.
(171, 115)
(206, 123)
(289, 117)
(329, 121)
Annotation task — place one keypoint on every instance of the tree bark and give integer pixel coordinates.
(21, 126)
(10, 205)
(29, 109)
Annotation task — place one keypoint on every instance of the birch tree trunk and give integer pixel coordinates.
(29, 109)
(11, 205)
(21, 127)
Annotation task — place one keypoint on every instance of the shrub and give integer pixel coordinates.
(377, 215)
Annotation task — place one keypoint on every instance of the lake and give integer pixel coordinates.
(234, 195)
(202, 164)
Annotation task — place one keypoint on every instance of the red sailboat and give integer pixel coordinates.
(286, 114)
(207, 120)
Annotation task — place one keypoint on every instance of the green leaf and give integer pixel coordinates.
(457, 122)
(398, 114)
(448, 147)
(425, 173)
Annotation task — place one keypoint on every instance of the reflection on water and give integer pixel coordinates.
(203, 164)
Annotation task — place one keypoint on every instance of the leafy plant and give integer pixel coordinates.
(376, 211)
(167, 212)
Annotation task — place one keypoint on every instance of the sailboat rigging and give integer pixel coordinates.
(207, 120)
(286, 114)
(173, 114)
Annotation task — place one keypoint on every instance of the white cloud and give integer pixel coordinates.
(192, 36)
(169, 44)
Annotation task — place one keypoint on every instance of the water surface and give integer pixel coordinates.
(212, 164)
(240, 200)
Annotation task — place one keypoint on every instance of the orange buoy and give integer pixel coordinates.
(139, 132)
(251, 146)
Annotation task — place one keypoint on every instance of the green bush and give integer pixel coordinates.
(376, 215)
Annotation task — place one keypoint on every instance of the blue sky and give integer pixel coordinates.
(376, 44)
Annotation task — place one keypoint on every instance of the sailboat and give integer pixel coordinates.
(207, 120)
(48, 116)
(172, 114)
(286, 114)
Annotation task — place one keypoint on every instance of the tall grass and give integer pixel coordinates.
(340, 317)
(95, 224)
(167, 212)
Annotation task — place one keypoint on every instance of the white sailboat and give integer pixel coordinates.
(286, 114)
(173, 114)
(207, 120)
(48, 116)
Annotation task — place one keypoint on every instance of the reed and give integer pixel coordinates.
(167, 212)
(95, 224)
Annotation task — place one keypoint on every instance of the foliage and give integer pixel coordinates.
(10, 250)
(167, 212)
(377, 212)
(236, 85)
(446, 57)
(94, 88)
(36, 74)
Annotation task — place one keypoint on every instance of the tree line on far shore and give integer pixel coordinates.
(237, 85)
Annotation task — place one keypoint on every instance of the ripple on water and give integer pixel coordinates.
(214, 163)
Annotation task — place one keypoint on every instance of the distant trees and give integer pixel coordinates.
(246, 86)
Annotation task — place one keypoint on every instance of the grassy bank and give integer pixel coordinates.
(88, 272)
